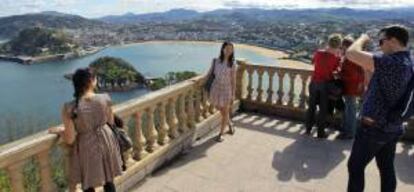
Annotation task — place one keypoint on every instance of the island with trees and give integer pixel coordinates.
(117, 75)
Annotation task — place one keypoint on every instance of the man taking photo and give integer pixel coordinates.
(377, 136)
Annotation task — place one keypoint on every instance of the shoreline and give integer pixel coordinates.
(28, 60)
(278, 55)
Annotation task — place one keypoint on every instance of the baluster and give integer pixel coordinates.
(280, 92)
(181, 114)
(270, 91)
(250, 71)
(162, 132)
(127, 155)
(172, 120)
(204, 104)
(190, 109)
(139, 138)
(150, 129)
(66, 161)
(197, 103)
(304, 77)
(240, 80)
(211, 108)
(292, 77)
(16, 176)
(260, 72)
(47, 184)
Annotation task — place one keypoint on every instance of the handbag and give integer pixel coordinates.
(210, 78)
(124, 141)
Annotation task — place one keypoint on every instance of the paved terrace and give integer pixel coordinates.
(268, 154)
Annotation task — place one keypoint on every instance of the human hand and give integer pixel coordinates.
(56, 130)
(365, 39)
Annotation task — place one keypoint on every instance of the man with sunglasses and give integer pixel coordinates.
(376, 136)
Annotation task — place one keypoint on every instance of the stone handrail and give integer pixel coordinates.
(160, 121)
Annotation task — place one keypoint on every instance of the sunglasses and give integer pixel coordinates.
(381, 41)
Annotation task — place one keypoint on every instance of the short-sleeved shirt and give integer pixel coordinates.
(325, 64)
(352, 76)
(389, 82)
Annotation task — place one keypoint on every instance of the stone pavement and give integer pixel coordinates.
(268, 154)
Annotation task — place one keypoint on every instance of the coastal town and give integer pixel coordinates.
(298, 39)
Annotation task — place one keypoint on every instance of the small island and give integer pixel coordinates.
(117, 75)
(37, 44)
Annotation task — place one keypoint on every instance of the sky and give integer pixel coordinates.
(98, 8)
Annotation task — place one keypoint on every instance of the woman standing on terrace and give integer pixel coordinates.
(94, 156)
(223, 88)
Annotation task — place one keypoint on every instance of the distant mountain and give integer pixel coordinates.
(12, 25)
(300, 15)
(169, 16)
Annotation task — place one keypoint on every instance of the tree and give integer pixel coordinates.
(116, 72)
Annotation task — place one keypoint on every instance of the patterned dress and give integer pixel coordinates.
(221, 93)
(95, 155)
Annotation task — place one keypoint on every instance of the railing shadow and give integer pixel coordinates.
(310, 158)
(404, 163)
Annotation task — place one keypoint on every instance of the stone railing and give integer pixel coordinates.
(257, 92)
(161, 124)
(279, 91)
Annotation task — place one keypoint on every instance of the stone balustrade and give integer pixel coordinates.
(161, 124)
(282, 92)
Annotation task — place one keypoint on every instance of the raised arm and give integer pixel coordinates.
(360, 57)
(109, 109)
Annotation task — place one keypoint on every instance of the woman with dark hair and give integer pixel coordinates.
(222, 91)
(94, 154)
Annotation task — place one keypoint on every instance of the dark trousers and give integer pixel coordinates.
(108, 187)
(318, 96)
(369, 143)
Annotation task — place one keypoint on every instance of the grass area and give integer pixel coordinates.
(4, 182)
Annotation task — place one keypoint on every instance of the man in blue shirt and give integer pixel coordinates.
(377, 136)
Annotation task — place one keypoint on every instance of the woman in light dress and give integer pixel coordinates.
(223, 88)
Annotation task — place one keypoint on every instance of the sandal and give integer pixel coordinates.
(219, 138)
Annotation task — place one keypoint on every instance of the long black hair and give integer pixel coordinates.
(230, 61)
(81, 81)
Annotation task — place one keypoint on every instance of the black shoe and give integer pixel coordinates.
(308, 130)
(344, 136)
(322, 135)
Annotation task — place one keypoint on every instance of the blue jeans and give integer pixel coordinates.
(349, 121)
(369, 143)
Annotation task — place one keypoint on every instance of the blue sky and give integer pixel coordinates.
(97, 8)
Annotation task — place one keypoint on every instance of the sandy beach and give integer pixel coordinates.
(275, 54)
